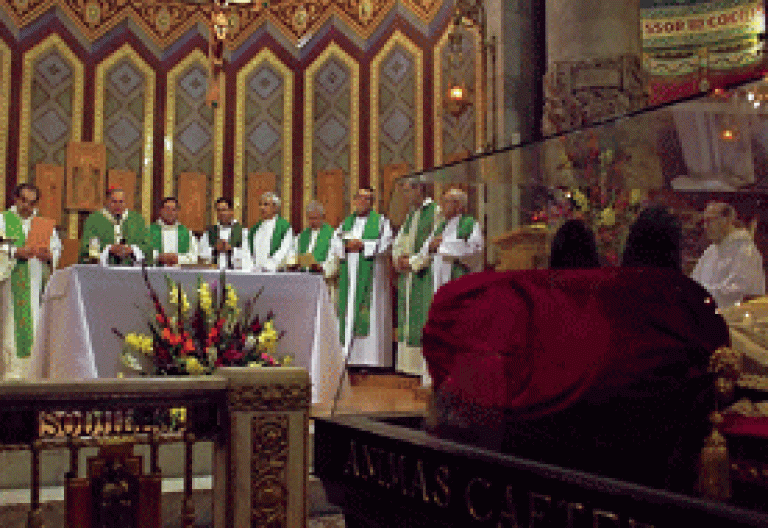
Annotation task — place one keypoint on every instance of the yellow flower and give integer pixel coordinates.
(254, 364)
(635, 196)
(179, 414)
(139, 342)
(231, 300)
(194, 367)
(580, 199)
(287, 360)
(607, 217)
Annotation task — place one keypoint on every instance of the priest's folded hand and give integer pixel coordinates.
(354, 246)
(43, 254)
(168, 259)
(403, 264)
(435, 243)
(223, 245)
(120, 250)
(25, 253)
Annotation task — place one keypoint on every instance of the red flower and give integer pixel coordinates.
(189, 346)
(171, 338)
(161, 319)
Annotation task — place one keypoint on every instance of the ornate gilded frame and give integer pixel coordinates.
(396, 38)
(333, 50)
(265, 55)
(196, 56)
(149, 115)
(479, 103)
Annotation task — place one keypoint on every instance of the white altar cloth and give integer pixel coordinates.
(82, 304)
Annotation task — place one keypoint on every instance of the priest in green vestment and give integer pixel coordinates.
(115, 236)
(23, 274)
(172, 243)
(362, 244)
(225, 242)
(315, 240)
(457, 244)
(270, 240)
(412, 262)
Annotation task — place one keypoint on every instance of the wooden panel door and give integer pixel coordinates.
(330, 193)
(258, 184)
(125, 180)
(86, 167)
(193, 200)
(390, 173)
(50, 180)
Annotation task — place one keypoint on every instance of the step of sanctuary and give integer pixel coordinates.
(14, 505)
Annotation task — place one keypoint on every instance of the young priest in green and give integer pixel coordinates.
(172, 243)
(120, 236)
(413, 263)
(225, 241)
(362, 244)
(23, 272)
(315, 239)
(270, 240)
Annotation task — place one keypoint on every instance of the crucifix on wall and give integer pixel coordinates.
(219, 32)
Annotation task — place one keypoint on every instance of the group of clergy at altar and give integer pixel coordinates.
(435, 244)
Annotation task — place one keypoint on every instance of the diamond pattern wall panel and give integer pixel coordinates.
(125, 88)
(264, 125)
(51, 111)
(459, 132)
(397, 108)
(332, 120)
(194, 126)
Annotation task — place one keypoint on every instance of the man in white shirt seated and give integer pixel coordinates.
(225, 243)
(732, 267)
(270, 240)
(171, 242)
(457, 245)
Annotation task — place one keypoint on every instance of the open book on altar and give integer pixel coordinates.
(40, 232)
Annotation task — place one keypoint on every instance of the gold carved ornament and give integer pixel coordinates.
(269, 470)
(270, 398)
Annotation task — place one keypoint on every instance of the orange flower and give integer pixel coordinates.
(172, 339)
(160, 319)
(189, 346)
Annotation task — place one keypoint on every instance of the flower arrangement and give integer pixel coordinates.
(196, 339)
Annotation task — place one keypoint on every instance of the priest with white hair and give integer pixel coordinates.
(457, 243)
(731, 268)
(270, 240)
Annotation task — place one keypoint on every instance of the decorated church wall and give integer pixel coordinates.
(315, 101)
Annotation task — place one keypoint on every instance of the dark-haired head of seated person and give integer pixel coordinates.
(574, 247)
(654, 240)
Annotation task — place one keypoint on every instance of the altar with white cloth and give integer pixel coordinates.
(82, 304)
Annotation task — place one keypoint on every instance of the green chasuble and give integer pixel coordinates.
(20, 288)
(134, 230)
(322, 243)
(281, 228)
(364, 283)
(156, 238)
(235, 235)
(463, 232)
(421, 281)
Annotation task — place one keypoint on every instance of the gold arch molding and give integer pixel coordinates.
(397, 38)
(332, 51)
(5, 100)
(126, 51)
(439, 92)
(78, 96)
(196, 57)
(268, 57)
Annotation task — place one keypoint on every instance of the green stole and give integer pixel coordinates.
(21, 289)
(463, 232)
(421, 282)
(134, 231)
(363, 291)
(320, 252)
(278, 233)
(235, 235)
(156, 238)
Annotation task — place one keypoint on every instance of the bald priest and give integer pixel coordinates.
(115, 236)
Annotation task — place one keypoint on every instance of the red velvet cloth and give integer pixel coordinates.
(750, 426)
(539, 341)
